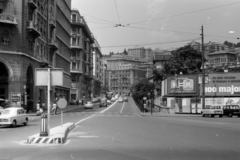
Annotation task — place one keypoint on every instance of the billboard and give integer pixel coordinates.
(223, 84)
(182, 85)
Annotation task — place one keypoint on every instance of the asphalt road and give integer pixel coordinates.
(120, 132)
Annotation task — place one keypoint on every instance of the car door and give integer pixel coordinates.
(20, 116)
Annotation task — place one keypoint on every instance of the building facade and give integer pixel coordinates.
(97, 70)
(81, 57)
(30, 40)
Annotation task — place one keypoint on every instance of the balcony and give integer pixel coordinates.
(75, 59)
(76, 46)
(76, 71)
(33, 29)
(52, 22)
(32, 4)
(78, 22)
(53, 44)
(44, 61)
(8, 19)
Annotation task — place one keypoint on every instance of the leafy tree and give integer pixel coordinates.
(125, 52)
(141, 89)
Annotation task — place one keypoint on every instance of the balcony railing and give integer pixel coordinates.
(76, 71)
(76, 46)
(75, 58)
(33, 28)
(52, 22)
(9, 19)
(78, 21)
(53, 44)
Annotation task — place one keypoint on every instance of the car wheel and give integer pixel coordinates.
(220, 115)
(26, 122)
(14, 123)
(203, 115)
(212, 115)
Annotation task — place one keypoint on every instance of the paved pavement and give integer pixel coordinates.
(61, 132)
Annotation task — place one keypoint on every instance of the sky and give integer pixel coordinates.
(163, 24)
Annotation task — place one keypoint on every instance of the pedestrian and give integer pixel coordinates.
(43, 106)
(77, 102)
(54, 107)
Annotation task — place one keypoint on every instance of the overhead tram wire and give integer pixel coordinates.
(150, 43)
(181, 14)
(117, 13)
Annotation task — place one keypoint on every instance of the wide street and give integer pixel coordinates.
(121, 132)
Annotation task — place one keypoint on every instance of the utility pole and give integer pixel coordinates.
(203, 71)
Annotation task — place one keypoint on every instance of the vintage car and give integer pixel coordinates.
(103, 102)
(120, 100)
(125, 99)
(231, 110)
(89, 105)
(212, 110)
(13, 116)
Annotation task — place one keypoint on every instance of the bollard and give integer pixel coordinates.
(44, 128)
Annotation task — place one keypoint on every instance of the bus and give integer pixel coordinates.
(212, 110)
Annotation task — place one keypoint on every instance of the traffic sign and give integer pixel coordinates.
(62, 103)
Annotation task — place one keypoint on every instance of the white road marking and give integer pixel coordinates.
(84, 119)
(122, 107)
(108, 107)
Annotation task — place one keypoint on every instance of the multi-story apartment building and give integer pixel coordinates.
(124, 76)
(123, 71)
(97, 70)
(141, 53)
(81, 57)
(34, 34)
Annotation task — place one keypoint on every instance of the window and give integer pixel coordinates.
(5, 37)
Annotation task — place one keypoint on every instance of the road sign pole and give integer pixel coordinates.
(61, 117)
(48, 93)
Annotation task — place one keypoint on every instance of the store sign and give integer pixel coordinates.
(223, 84)
(182, 84)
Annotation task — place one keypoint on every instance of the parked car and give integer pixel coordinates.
(103, 102)
(113, 99)
(73, 102)
(13, 116)
(1, 110)
(88, 105)
(125, 99)
(108, 101)
(231, 110)
(95, 100)
(212, 111)
(120, 100)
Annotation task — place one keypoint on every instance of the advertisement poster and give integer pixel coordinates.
(16, 98)
(182, 84)
(221, 101)
(223, 84)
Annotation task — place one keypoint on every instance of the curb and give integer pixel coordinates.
(58, 135)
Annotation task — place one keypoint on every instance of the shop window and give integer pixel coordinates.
(5, 37)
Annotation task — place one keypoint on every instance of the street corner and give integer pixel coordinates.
(58, 135)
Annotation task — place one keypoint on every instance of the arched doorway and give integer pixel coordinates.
(29, 89)
(4, 77)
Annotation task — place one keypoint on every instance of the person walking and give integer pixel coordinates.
(77, 102)
(54, 107)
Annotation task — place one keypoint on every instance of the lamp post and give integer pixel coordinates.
(203, 72)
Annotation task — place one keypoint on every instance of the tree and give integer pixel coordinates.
(125, 52)
(141, 89)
